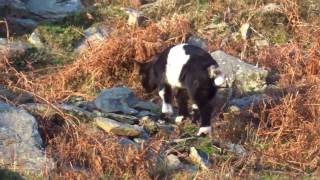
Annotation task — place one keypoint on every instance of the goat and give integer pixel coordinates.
(192, 72)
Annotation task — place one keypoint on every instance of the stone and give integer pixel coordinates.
(117, 99)
(94, 34)
(173, 163)
(20, 26)
(198, 42)
(200, 158)
(117, 128)
(150, 125)
(13, 48)
(15, 96)
(127, 142)
(260, 43)
(146, 105)
(247, 101)
(242, 77)
(236, 148)
(21, 144)
(136, 18)
(49, 9)
(245, 31)
(145, 113)
(35, 40)
(271, 7)
(53, 9)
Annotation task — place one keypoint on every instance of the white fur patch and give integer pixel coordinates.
(177, 58)
(166, 108)
(194, 106)
(219, 80)
(179, 119)
(204, 130)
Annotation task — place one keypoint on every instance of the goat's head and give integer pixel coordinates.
(146, 74)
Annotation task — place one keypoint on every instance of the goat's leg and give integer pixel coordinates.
(166, 95)
(182, 101)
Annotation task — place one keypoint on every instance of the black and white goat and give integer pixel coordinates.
(192, 72)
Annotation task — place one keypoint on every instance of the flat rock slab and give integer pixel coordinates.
(117, 128)
(244, 78)
(20, 141)
(117, 99)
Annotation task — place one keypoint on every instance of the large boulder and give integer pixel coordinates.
(21, 144)
(244, 78)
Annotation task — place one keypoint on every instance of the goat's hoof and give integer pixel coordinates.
(204, 131)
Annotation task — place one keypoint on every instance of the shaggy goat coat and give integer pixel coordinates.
(190, 70)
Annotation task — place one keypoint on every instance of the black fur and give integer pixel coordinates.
(194, 77)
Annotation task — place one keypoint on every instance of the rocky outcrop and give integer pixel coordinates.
(244, 78)
(21, 144)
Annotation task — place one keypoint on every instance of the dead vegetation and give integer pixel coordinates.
(285, 139)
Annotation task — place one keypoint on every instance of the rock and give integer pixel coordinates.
(118, 99)
(260, 43)
(112, 126)
(145, 113)
(248, 101)
(13, 49)
(271, 7)
(245, 31)
(198, 42)
(53, 9)
(20, 26)
(16, 97)
(35, 40)
(146, 105)
(93, 34)
(236, 148)
(21, 144)
(199, 158)
(136, 18)
(127, 142)
(49, 9)
(46, 110)
(173, 163)
(242, 77)
(150, 125)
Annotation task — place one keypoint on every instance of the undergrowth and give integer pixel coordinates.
(280, 136)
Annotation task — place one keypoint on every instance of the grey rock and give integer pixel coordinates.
(93, 34)
(118, 99)
(198, 42)
(173, 162)
(146, 105)
(13, 48)
(260, 43)
(245, 31)
(127, 142)
(145, 113)
(17, 96)
(53, 9)
(20, 141)
(117, 128)
(244, 78)
(236, 148)
(248, 101)
(20, 26)
(35, 40)
(271, 7)
(199, 158)
(49, 9)
(136, 18)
